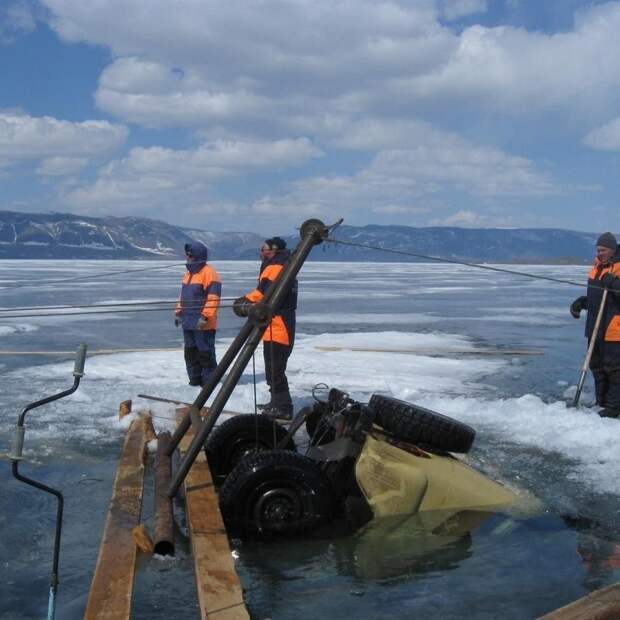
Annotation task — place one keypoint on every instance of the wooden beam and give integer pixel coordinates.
(603, 604)
(219, 590)
(112, 586)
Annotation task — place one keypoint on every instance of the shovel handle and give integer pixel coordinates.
(586, 361)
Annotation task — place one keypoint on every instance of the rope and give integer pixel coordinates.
(455, 262)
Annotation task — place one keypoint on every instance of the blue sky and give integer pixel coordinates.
(255, 116)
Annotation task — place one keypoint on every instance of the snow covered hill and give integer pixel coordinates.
(61, 235)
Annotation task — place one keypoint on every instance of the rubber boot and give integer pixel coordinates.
(608, 412)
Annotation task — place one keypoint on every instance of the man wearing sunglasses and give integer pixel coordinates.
(279, 336)
(196, 312)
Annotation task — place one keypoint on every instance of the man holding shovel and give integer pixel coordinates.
(603, 325)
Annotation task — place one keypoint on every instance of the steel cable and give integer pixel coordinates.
(454, 261)
(88, 277)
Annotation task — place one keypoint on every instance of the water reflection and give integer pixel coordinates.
(420, 544)
(435, 564)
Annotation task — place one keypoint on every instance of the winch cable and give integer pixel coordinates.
(454, 262)
(172, 302)
(99, 312)
(45, 282)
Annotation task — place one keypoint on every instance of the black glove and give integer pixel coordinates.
(177, 321)
(241, 306)
(581, 303)
(609, 280)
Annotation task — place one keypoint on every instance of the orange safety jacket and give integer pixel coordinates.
(200, 297)
(282, 327)
(609, 329)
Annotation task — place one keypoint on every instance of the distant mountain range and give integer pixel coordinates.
(67, 236)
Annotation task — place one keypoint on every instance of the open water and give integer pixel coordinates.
(496, 351)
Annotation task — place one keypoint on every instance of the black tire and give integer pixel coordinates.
(276, 494)
(237, 437)
(417, 425)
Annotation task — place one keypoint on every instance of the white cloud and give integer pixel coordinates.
(605, 137)
(24, 137)
(463, 218)
(397, 178)
(61, 166)
(207, 62)
(368, 83)
(455, 9)
(149, 178)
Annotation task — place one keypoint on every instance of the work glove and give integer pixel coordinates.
(581, 303)
(609, 280)
(241, 306)
(202, 324)
(177, 321)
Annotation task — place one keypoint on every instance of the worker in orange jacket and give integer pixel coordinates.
(605, 360)
(279, 336)
(196, 312)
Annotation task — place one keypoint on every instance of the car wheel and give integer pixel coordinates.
(418, 425)
(275, 494)
(237, 437)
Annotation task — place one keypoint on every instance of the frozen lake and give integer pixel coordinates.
(496, 351)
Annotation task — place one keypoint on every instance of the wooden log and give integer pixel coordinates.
(164, 521)
(219, 590)
(112, 586)
(124, 409)
(603, 604)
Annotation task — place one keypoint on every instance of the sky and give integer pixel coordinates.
(257, 115)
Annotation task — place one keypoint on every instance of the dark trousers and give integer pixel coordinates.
(276, 357)
(199, 354)
(605, 367)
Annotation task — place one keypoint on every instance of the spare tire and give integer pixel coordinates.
(418, 425)
(276, 493)
(237, 437)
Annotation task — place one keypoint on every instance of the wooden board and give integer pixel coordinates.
(112, 586)
(219, 590)
(602, 604)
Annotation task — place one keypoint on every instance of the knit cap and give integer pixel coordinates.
(607, 240)
(276, 243)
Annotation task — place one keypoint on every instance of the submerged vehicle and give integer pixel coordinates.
(381, 459)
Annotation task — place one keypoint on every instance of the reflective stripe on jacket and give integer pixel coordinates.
(200, 296)
(282, 326)
(609, 330)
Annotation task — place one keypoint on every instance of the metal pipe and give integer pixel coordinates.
(16, 457)
(312, 233)
(163, 539)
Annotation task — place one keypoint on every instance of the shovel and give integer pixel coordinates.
(586, 361)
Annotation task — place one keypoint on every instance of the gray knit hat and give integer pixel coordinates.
(607, 240)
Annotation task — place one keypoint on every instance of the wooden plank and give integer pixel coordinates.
(112, 586)
(219, 590)
(602, 604)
